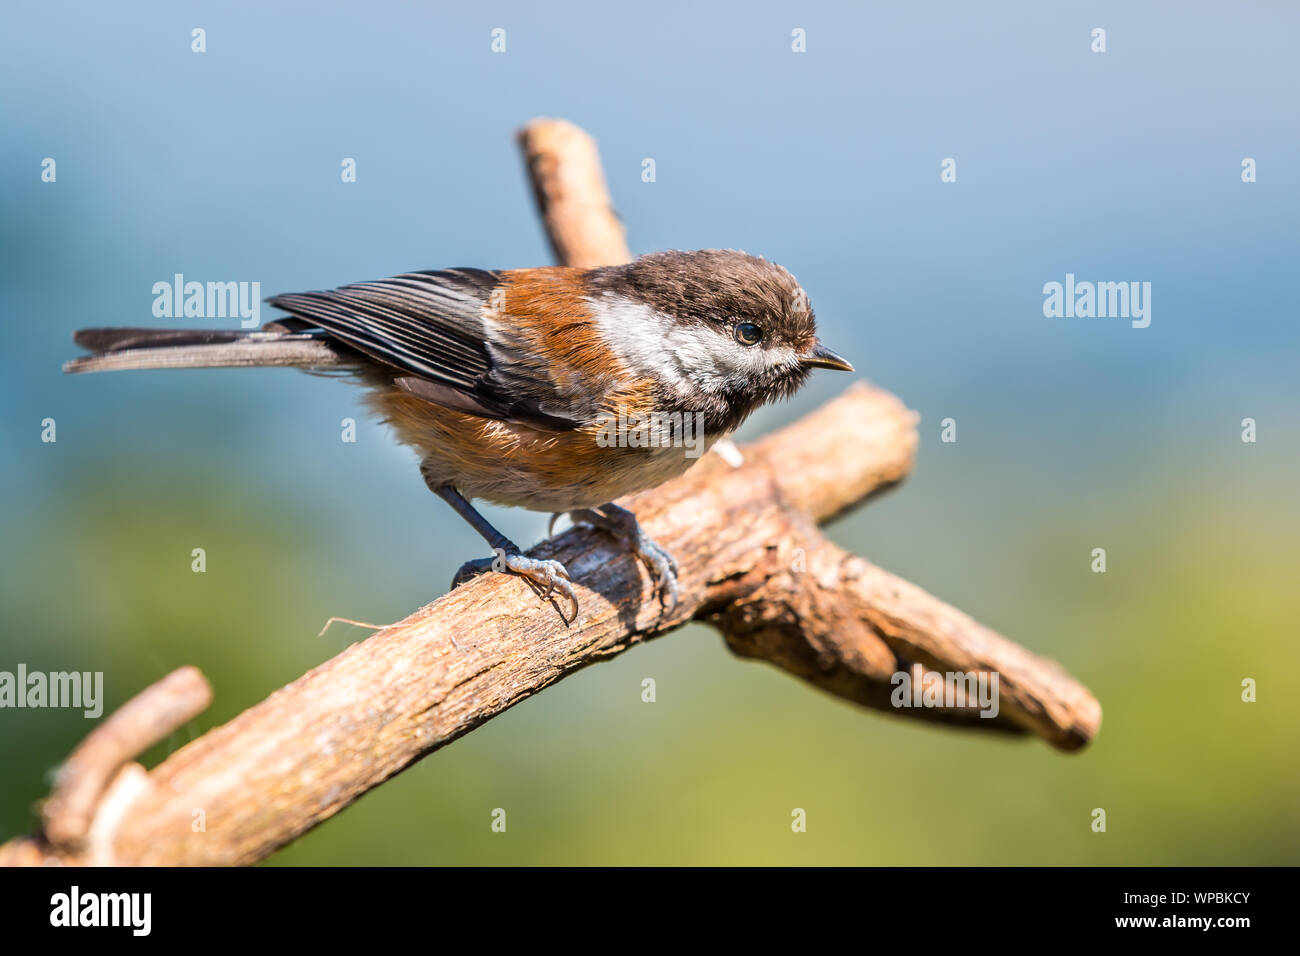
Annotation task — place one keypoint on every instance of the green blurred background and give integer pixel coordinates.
(1072, 434)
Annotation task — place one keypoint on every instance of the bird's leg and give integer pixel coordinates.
(548, 577)
(622, 524)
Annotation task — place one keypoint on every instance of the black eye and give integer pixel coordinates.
(747, 333)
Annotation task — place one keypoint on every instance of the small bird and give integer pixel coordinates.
(554, 389)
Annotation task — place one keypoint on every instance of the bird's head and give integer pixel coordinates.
(720, 331)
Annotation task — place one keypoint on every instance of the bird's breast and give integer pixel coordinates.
(516, 465)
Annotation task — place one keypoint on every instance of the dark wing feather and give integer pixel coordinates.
(428, 325)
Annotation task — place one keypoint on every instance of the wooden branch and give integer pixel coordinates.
(572, 199)
(743, 526)
(133, 728)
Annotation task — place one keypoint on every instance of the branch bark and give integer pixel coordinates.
(572, 199)
(133, 728)
(743, 526)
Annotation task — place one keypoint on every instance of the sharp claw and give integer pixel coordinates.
(622, 524)
(573, 600)
(662, 567)
(545, 577)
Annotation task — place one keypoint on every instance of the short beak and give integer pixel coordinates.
(822, 357)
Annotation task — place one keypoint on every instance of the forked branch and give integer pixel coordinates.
(743, 526)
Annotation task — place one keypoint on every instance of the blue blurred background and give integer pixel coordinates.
(1072, 433)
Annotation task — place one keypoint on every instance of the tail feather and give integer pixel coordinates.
(133, 348)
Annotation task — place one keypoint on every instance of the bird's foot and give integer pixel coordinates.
(547, 578)
(622, 524)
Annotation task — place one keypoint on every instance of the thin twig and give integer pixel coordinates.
(133, 728)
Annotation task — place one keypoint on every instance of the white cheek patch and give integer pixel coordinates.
(683, 357)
